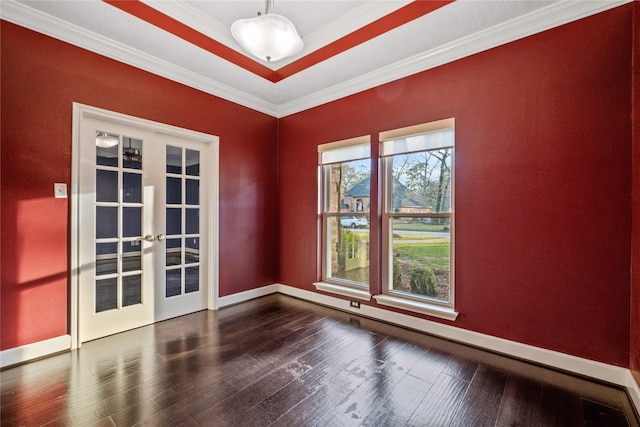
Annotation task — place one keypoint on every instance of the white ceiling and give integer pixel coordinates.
(456, 30)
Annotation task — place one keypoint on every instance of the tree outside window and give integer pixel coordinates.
(418, 176)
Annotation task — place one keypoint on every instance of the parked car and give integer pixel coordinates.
(354, 222)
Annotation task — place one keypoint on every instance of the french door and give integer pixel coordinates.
(142, 227)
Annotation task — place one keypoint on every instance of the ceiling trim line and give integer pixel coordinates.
(368, 12)
(405, 14)
(357, 18)
(548, 17)
(401, 16)
(19, 14)
(540, 20)
(155, 17)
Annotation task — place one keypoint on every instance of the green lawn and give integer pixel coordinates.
(418, 226)
(397, 236)
(432, 255)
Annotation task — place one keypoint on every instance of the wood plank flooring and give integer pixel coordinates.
(278, 361)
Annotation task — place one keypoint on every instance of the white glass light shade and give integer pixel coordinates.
(269, 37)
(105, 140)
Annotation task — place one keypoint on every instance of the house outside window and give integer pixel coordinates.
(418, 168)
(345, 169)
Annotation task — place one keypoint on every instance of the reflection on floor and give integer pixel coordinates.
(283, 362)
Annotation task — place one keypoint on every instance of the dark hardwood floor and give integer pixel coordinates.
(278, 361)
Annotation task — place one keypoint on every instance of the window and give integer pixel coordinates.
(417, 228)
(417, 224)
(345, 169)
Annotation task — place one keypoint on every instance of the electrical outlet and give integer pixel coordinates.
(60, 190)
(354, 304)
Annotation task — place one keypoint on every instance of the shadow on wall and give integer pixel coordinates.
(34, 271)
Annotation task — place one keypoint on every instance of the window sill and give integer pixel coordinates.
(417, 306)
(343, 290)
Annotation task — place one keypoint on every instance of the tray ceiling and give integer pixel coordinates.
(350, 45)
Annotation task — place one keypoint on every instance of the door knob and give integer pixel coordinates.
(160, 237)
(148, 238)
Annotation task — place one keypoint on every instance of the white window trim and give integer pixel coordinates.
(409, 304)
(349, 149)
(346, 291)
(418, 304)
(416, 129)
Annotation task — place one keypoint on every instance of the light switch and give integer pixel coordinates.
(60, 191)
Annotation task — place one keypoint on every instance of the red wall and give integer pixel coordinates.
(543, 180)
(543, 177)
(634, 360)
(41, 77)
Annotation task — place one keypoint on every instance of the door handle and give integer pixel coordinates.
(160, 237)
(148, 238)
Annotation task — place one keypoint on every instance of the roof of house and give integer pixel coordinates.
(402, 195)
(361, 189)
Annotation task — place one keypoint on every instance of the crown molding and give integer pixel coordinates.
(556, 14)
(370, 11)
(190, 16)
(25, 16)
(348, 23)
(545, 18)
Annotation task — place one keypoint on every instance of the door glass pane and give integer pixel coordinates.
(106, 186)
(106, 294)
(131, 256)
(193, 162)
(131, 290)
(173, 284)
(131, 153)
(131, 222)
(106, 258)
(191, 279)
(192, 221)
(174, 252)
(106, 149)
(174, 221)
(132, 187)
(174, 191)
(106, 222)
(192, 250)
(174, 159)
(193, 192)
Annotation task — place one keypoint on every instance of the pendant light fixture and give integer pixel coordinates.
(106, 140)
(269, 37)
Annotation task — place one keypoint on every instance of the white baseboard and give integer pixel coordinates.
(573, 364)
(246, 295)
(25, 353)
(577, 365)
(633, 389)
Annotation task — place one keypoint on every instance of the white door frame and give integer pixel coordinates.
(81, 111)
